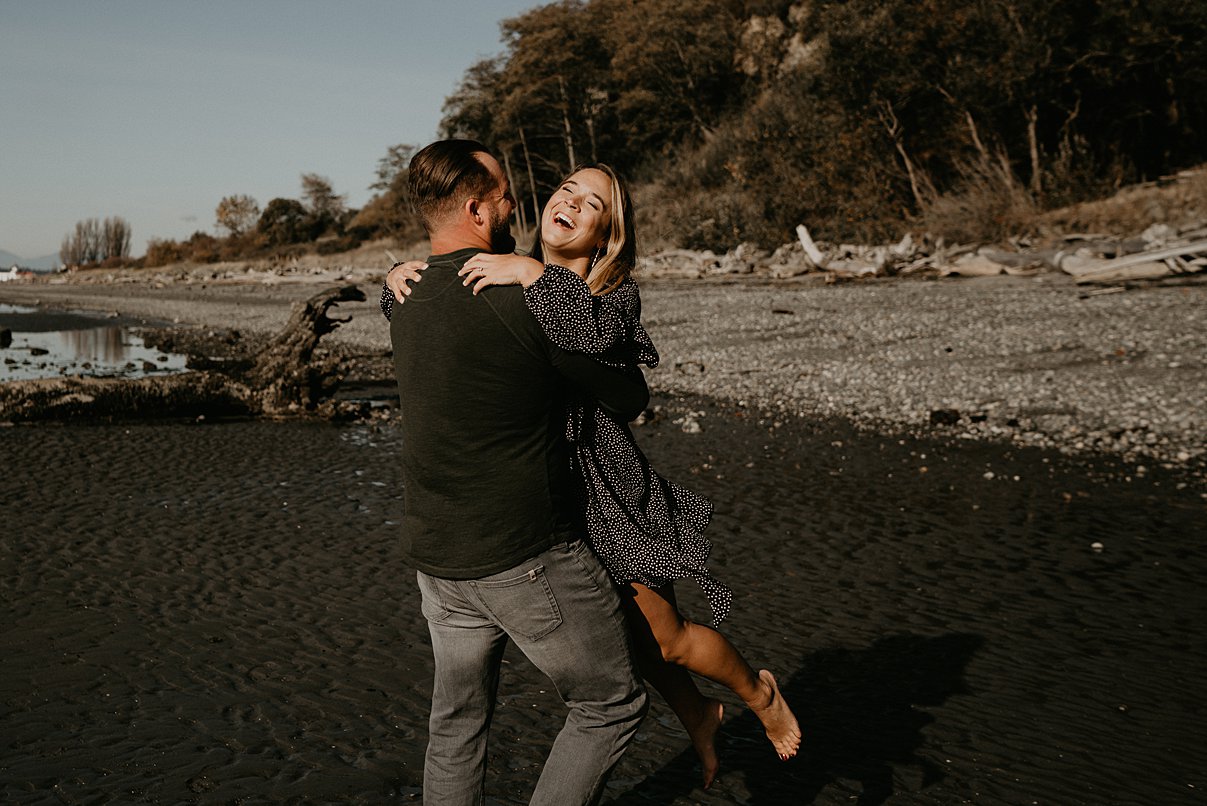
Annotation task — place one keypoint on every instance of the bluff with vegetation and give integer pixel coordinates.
(736, 120)
(739, 120)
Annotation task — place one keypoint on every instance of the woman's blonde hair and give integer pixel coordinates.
(611, 267)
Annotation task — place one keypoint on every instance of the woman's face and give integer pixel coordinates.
(578, 216)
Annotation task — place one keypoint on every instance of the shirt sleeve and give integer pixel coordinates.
(578, 321)
(386, 301)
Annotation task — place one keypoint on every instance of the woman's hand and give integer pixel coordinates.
(485, 270)
(400, 274)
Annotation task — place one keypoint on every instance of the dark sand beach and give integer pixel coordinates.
(215, 612)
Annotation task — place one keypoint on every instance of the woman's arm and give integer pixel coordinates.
(575, 319)
(572, 317)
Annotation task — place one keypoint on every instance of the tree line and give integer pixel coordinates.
(319, 221)
(740, 120)
(96, 242)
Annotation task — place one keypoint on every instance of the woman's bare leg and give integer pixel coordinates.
(701, 716)
(709, 654)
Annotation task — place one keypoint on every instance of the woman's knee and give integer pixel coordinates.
(674, 641)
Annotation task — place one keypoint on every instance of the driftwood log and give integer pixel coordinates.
(1142, 265)
(283, 380)
(284, 375)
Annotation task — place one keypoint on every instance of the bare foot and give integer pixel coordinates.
(703, 735)
(781, 726)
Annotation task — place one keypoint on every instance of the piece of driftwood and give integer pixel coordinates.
(1149, 270)
(973, 266)
(1099, 292)
(284, 379)
(284, 376)
(811, 251)
(1142, 265)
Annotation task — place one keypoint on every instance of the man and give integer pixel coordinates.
(493, 523)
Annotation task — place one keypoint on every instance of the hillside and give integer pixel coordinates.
(737, 121)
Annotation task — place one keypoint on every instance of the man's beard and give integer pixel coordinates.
(501, 241)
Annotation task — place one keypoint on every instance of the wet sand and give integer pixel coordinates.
(216, 613)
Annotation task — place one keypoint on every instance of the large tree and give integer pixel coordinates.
(322, 202)
(285, 221)
(390, 212)
(237, 214)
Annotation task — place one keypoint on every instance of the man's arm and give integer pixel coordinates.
(621, 392)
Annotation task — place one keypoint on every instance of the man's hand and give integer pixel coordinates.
(400, 274)
(485, 270)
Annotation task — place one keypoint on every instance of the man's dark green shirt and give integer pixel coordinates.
(486, 466)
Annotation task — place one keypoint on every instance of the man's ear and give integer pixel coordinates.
(474, 211)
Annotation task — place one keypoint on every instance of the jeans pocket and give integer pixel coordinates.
(430, 605)
(524, 605)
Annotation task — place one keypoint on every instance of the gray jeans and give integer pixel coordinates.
(561, 610)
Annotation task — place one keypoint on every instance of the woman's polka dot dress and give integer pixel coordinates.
(643, 527)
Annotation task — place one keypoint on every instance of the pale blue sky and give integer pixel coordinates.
(155, 109)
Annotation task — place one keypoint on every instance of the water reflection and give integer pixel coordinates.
(47, 344)
(105, 344)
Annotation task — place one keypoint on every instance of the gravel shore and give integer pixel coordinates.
(1033, 361)
(1023, 360)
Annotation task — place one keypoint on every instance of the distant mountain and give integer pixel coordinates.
(8, 259)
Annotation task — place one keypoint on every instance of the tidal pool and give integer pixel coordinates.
(37, 343)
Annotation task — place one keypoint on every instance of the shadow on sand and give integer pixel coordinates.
(860, 710)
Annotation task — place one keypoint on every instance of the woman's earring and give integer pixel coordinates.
(595, 253)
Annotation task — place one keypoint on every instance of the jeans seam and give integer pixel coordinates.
(621, 631)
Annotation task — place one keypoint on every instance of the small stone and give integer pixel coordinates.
(1097, 547)
(944, 417)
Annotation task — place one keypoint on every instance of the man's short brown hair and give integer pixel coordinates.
(444, 175)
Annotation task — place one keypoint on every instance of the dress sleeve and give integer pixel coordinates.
(578, 321)
(386, 301)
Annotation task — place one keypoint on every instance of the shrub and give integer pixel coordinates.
(332, 246)
(161, 252)
(988, 204)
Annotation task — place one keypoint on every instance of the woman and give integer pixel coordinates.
(646, 530)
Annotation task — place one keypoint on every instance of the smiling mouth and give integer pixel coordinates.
(563, 220)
